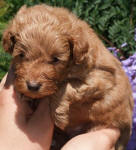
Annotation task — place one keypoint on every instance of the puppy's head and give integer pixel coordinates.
(40, 59)
(42, 56)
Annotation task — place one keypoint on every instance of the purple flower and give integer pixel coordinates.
(124, 45)
(114, 50)
(129, 66)
(127, 62)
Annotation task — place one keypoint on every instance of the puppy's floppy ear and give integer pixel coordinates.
(79, 46)
(10, 34)
(8, 40)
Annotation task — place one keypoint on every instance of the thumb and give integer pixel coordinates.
(41, 120)
(3, 82)
(42, 113)
(10, 77)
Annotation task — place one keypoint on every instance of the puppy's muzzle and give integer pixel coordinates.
(33, 86)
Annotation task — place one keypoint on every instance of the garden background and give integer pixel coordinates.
(113, 20)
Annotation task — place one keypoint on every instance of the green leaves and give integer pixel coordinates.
(2, 27)
(114, 20)
(4, 62)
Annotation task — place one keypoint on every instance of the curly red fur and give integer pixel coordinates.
(85, 84)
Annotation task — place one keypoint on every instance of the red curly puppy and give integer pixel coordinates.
(58, 56)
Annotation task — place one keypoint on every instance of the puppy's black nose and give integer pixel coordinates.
(33, 86)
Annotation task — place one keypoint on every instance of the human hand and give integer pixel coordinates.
(20, 127)
(103, 139)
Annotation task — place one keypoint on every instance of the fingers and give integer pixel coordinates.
(42, 114)
(112, 135)
(15, 110)
(6, 96)
(40, 126)
(103, 139)
(10, 101)
(18, 110)
(7, 93)
(10, 78)
(41, 121)
(3, 82)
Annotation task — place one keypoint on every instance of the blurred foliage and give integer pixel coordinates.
(113, 20)
(4, 62)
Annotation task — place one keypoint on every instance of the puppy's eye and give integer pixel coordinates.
(21, 55)
(55, 60)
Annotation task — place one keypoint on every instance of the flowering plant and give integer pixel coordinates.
(129, 66)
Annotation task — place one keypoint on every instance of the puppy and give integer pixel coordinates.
(58, 56)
